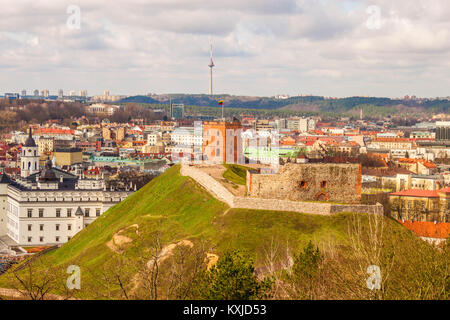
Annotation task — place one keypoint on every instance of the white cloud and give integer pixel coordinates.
(262, 47)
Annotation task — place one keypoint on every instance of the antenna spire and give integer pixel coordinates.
(211, 66)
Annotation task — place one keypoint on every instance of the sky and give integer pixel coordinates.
(336, 48)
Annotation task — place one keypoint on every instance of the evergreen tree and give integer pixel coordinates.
(306, 269)
(233, 278)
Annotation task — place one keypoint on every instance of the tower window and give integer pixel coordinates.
(324, 184)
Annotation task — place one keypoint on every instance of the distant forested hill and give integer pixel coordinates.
(372, 105)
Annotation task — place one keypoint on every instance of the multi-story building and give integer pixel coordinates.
(45, 93)
(68, 156)
(301, 124)
(222, 142)
(392, 143)
(102, 109)
(443, 130)
(177, 111)
(45, 145)
(421, 205)
(50, 206)
(113, 133)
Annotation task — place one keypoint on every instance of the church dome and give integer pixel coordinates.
(30, 141)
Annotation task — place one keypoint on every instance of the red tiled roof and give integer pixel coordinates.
(417, 193)
(427, 164)
(392, 140)
(53, 131)
(428, 229)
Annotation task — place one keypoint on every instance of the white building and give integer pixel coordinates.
(301, 124)
(50, 206)
(187, 136)
(101, 108)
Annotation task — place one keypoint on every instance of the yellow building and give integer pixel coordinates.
(421, 205)
(113, 133)
(45, 145)
(69, 156)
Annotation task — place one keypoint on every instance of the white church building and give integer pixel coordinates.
(48, 207)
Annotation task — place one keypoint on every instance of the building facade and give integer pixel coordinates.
(421, 205)
(222, 142)
(49, 206)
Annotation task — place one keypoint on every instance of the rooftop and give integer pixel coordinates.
(428, 229)
(417, 193)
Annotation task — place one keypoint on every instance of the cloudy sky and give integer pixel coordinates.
(261, 47)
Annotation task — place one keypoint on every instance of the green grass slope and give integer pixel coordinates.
(236, 173)
(181, 209)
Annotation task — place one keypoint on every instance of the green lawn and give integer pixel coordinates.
(181, 209)
(236, 173)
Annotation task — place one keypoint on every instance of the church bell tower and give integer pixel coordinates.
(29, 158)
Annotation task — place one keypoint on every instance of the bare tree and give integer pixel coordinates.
(39, 280)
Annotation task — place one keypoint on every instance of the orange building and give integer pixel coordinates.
(222, 142)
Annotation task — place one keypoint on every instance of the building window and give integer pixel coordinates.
(324, 184)
(97, 212)
(57, 239)
(69, 213)
(57, 227)
(68, 238)
(30, 239)
(30, 213)
(58, 213)
(41, 239)
(41, 213)
(41, 227)
(302, 184)
(86, 212)
(69, 227)
(29, 227)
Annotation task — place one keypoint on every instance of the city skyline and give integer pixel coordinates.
(327, 48)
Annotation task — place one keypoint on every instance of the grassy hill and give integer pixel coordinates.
(180, 209)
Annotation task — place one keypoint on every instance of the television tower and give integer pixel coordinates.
(211, 66)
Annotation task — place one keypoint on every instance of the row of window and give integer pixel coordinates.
(58, 213)
(41, 227)
(303, 184)
(41, 239)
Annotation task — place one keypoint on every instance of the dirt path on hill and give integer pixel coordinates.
(212, 260)
(118, 240)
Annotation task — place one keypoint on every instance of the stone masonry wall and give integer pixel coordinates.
(220, 192)
(209, 183)
(308, 182)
